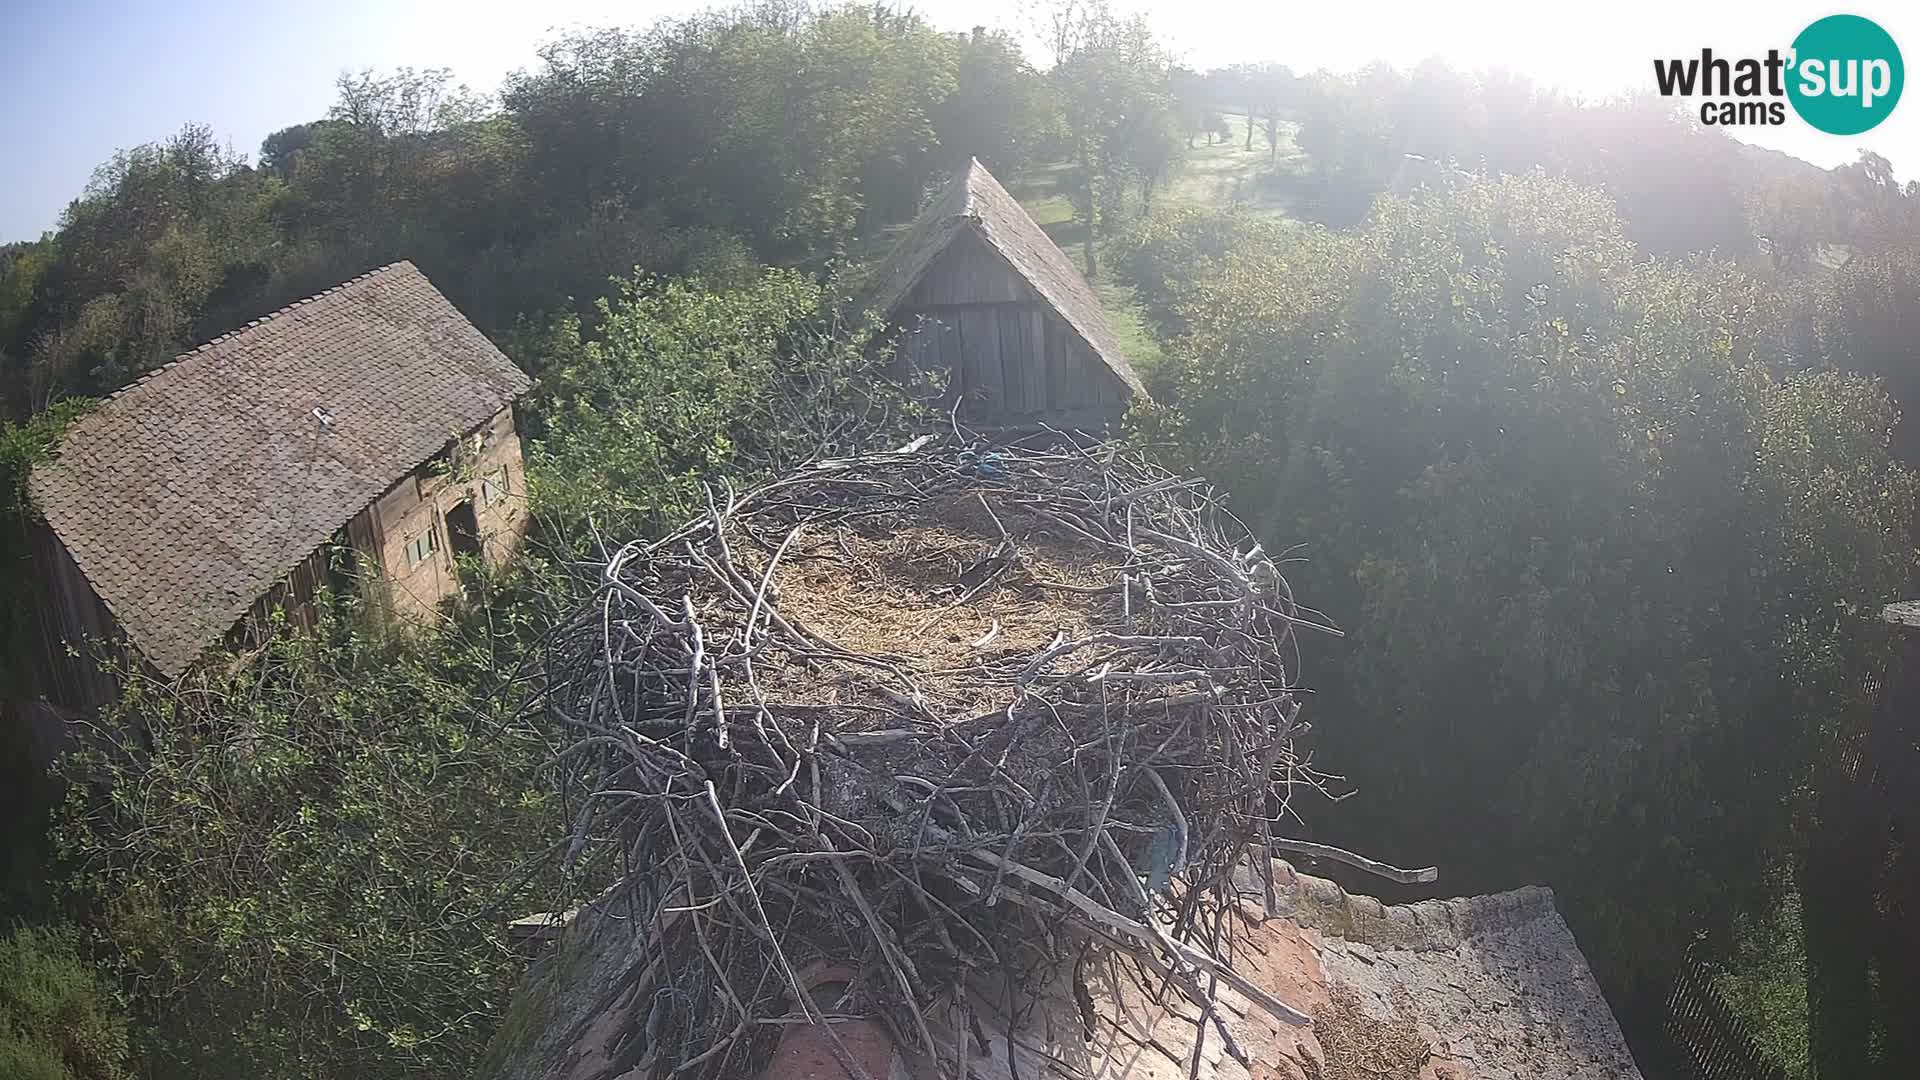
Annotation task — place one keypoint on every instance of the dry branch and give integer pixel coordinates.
(839, 719)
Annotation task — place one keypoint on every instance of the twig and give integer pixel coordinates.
(1358, 862)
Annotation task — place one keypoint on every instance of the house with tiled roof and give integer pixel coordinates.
(361, 438)
(980, 297)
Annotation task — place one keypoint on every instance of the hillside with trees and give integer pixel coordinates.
(1587, 425)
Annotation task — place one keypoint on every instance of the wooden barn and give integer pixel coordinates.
(978, 293)
(362, 438)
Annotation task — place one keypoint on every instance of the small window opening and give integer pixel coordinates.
(493, 487)
(421, 548)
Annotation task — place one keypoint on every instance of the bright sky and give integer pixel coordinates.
(87, 77)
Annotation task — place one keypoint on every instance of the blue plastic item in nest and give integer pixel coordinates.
(985, 465)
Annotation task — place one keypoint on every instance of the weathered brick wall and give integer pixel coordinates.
(418, 506)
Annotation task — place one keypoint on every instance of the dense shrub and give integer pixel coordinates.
(1164, 253)
(684, 385)
(57, 1021)
(1602, 565)
(301, 861)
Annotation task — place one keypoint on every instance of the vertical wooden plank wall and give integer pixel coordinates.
(71, 616)
(1009, 355)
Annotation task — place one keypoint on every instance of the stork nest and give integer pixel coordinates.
(923, 719)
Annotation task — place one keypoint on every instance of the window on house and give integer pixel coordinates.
(493, 487)
(421, 548)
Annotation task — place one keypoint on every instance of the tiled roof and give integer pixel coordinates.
(1473, 988)
(1476, 988)
(975, 200)
(186, 495)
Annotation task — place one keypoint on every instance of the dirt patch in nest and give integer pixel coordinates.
(1360, 1046)
(946, 592)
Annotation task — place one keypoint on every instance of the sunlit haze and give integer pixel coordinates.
(89, 78)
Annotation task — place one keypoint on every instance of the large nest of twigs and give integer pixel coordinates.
(929, 718)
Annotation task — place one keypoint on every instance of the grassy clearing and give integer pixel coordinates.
(1128, 318)
(1042, 191)
(1263, 179)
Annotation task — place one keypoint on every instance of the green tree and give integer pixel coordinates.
(303, 858)
(1000, 110)
(1194, 113)
(1113, 80)
(788, 127)
(1270, 91)
(1346, 131)
(1606, 572)
(140, 258)
(1167, 253)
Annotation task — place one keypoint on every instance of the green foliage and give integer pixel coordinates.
(1167, 251)
(1765, 980)
(303, 859)
(1602, 566)
(57, 1022)
(24, 445)
(1347, 136)
(702, 145)
(1681, 188)
(397, 156)
(140, 258)
(1267, 91)
(1869, 322)
(685, 385)
(1000, 110)
(787, 126)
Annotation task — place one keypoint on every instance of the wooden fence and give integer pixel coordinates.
(1707, 1038)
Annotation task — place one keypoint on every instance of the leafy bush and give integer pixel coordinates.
(1601, 564)
(304, 859)
(1870, 323)
(57, 1022)
(26, 444)
(684, 384)
(1168, 250)
(1766, 979)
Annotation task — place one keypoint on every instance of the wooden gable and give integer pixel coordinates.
(1012, 358)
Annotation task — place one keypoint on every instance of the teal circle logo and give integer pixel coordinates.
(1847, 74)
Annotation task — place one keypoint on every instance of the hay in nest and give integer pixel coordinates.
(940, 718)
